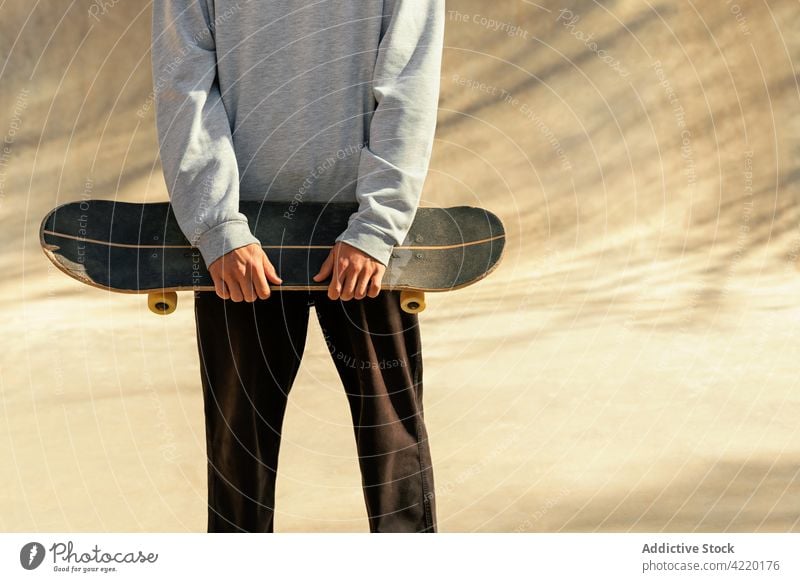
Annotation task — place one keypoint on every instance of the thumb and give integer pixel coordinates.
(325, 270)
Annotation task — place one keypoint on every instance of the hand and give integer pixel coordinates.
(355, 273)
(243, 274)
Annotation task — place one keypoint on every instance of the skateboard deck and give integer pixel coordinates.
(139, 248)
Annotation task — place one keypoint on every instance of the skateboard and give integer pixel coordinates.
(139, 248)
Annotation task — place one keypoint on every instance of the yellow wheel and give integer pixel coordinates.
(412, 301)
(162, 302)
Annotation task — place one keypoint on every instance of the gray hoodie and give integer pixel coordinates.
(295, 101)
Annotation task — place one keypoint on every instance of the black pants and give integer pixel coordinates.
(250, 354)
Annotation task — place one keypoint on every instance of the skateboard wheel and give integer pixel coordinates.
(412, 301)
(162, 303)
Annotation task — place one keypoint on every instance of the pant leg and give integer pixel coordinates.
(377, 351)
(249, 357)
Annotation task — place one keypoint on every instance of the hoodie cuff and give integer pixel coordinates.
(224, 238)
(368, 239)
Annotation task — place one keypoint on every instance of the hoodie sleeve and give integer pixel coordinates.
(194, 133)
(393, 166)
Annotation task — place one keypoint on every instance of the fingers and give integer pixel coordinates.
(358, 283)
(270, 272)
(243, 279)
(261, 287)
(219, 286)
(363, 282)
(215, 269)
(349, 282)
(244, 274)
(375, 282)
(222, 290)
(355, 274)
(234, 290)
(337, 279)
(251, 278)
(325, 269)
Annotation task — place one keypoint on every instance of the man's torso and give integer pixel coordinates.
(295, 78)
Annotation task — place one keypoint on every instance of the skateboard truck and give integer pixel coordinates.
(165, 302)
